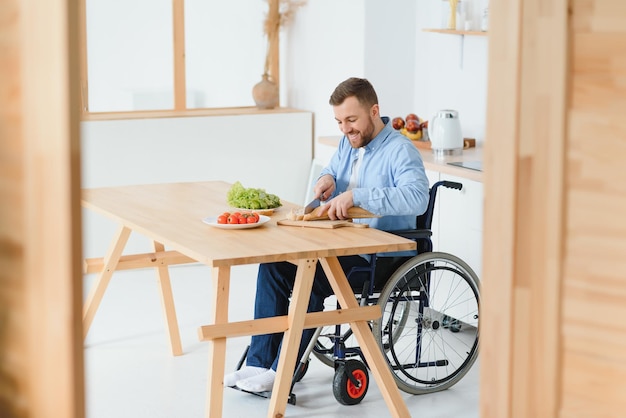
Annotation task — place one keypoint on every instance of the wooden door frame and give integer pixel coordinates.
(524, 211)
(53, 238)
(42, 348)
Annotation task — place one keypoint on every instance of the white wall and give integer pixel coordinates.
(390, 51)
(324, 45)
(412, 70)
(271, 151)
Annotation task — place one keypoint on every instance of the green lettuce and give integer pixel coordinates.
(251, 198)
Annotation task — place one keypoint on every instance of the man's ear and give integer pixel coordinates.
(375, 111)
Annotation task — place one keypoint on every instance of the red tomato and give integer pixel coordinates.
(252, 219)
(222, 219)
(236, 214)
(256, 216)
(232, 219)
(227, 214)
(243, 219)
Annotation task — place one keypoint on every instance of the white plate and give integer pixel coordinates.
(259, 211)
(212, 220)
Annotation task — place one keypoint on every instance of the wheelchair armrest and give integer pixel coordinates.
(414, 234)
(420, 236)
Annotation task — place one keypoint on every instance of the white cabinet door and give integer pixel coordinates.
(461, 220)
(460, 234)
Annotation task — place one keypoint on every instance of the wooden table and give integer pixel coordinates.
(170, 215)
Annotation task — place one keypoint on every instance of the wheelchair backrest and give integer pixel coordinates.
(425, 220)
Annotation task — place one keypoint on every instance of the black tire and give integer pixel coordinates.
(438, 344)
(345, 391)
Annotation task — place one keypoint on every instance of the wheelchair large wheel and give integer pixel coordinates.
(429, 328)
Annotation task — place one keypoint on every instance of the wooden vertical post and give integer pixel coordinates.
(274, 44)
(496, 311)
(41, 349)
(524, 209)
(82, 53)
(13, 359)
(180, 83)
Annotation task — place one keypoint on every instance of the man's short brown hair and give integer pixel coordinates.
(354, 87)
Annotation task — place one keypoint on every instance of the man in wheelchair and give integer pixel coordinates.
(375, 167)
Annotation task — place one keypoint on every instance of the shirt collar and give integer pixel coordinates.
(381, 137)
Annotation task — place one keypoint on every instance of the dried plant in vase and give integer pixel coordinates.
(280, 13)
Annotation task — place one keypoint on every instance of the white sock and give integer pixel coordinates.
(259, 383)
(243, 373)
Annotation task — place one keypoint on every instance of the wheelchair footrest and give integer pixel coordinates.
(436, 363)
(267, 395)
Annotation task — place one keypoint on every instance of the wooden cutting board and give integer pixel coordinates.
(326, 224)
(353, 213)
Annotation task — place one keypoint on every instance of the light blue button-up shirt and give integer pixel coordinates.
(391, 182)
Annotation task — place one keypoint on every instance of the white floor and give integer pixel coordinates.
(130, 372)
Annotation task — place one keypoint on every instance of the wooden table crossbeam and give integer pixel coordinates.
(280, 323)
(138, 261)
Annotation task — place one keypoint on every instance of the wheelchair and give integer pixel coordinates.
(428, 331)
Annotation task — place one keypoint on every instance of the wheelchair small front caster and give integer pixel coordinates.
(351, 382)
(301, 370)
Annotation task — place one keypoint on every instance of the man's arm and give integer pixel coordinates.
(406, 193)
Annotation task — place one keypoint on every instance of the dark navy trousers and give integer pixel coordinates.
(274, 285)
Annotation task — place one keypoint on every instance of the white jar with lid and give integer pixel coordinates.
(484, 21)
(460, 15)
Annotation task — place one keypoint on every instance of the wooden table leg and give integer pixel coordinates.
(167, 302)
(110, 263)
(217, 347)
(367, 342)
(291, 340)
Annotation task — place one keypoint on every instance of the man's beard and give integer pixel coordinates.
(366, 135)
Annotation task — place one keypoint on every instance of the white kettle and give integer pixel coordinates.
(444, 130)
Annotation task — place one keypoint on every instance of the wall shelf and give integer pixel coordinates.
(457, 32)
(462, 34)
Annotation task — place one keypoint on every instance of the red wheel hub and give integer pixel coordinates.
(357, 391)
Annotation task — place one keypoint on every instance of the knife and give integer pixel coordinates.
(311, 206)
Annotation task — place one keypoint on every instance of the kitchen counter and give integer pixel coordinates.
(436, 164)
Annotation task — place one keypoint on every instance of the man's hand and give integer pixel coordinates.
(337, 207)
(324, 187)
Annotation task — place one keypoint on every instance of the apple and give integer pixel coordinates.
(412, 116)
(397, 123)
(412, 125)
